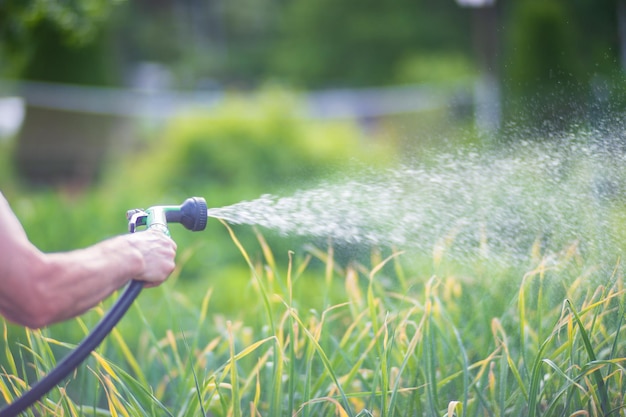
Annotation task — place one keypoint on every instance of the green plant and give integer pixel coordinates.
(379, 340)
(251, 145)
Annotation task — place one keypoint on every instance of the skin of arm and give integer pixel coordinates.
(38, 289)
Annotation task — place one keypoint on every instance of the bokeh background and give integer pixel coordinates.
(91, 83)
(109, 105)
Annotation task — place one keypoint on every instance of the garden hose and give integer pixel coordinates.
(192, 214)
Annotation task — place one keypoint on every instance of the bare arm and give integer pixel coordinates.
(37, 289)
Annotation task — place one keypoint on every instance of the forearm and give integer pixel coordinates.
(37, 289)
(57, 286)
(74, 282)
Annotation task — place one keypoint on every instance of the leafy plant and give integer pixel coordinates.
(248, 145)
(379, 341)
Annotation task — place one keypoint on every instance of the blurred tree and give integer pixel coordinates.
(62, 42)
(56, 57)
(548, 44)
(57, 146)
(203, 42)
(76, 23)
(247, 42)
(544, 68)
(596, 34)
(363, 42)
(555, 51)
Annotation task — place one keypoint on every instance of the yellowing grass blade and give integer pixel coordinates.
(455, 408)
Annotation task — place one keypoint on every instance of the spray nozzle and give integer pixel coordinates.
(192, 214)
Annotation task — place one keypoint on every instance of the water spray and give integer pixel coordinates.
(192, 214)
(495, 206)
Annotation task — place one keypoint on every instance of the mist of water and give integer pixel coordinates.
(490, 204)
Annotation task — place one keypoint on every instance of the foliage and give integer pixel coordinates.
(273, 332)
(363, 43)
(249, 145)
(308, 43)
(550, 72)
(545, 78)
(75, 23)
(379, 340)
(87, 62)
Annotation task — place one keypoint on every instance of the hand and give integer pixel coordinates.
(158, 252)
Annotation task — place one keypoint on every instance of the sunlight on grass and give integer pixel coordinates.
(383, 341)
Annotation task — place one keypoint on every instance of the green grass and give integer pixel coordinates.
(307, 336)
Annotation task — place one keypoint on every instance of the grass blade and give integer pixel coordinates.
(597, 374)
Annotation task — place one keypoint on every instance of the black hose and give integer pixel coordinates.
(71, 361)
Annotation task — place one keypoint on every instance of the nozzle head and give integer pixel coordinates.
(192, 214)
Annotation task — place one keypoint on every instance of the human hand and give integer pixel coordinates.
(158, 252)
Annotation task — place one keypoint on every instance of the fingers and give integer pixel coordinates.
(159, 253)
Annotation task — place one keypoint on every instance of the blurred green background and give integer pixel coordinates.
(106, 106)
(111, 105)
(253, 97)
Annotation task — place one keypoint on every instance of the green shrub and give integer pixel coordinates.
(356, 341)
(248, 146)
